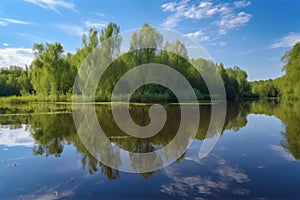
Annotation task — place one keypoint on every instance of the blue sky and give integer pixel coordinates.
(250, 34)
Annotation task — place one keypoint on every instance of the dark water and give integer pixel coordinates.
(257, 156)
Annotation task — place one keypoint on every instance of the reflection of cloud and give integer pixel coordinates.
(229, 173)
(240, 191)
(184, 186)
(75, 165)
(282, 152)
(191, 185)
(46, 193)
(16, 137)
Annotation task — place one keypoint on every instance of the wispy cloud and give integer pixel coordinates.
(34, 38)
(99, 14)
(286, 41)
(53, 4)
(83, 28)
(72, 29)
(5, 44)
(232, 20)
(248, 51)
(272, 59)
(241, 4)
(225, 16)
(91, 24)
(185, 10)
(15, 56)
(221, 44)
(199, 35)
(6, 21)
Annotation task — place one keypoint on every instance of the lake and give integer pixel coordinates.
(256, 157)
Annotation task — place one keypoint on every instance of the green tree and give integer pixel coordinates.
(51, 74)
(144, 44)
(290, 85)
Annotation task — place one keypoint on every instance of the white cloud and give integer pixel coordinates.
(169, 6)
(91, 24)
(225, 16)
(15, 56)
(5, 44)
(241, 4)
(286, 41)
(204, 4)
(221, 44)
(53, 4)
(232, 20)
(72, 29)
(16, 137)
(6, 21)
(198, 35)
(171, 22)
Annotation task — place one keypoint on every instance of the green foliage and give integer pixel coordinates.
(266, 88)
(52, 73)
(290, 83)
(15, 81)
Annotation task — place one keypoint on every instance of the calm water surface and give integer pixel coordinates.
(257, 156)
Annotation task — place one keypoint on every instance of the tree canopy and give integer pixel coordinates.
(53, 71)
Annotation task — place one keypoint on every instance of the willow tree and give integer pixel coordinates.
(290, 85)
(144, 44)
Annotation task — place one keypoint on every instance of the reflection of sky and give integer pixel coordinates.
(282, 152)
(237, 163)
(219, 177)
(15, 137)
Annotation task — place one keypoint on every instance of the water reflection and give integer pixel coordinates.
(218, 179)
(16, 135)
(52, 127)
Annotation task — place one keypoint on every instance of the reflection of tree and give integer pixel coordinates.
(237, 115)
(289, 114)
(52, 131)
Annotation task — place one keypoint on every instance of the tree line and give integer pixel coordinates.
(52, 73)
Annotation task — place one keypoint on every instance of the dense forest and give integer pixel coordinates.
(51, 75)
